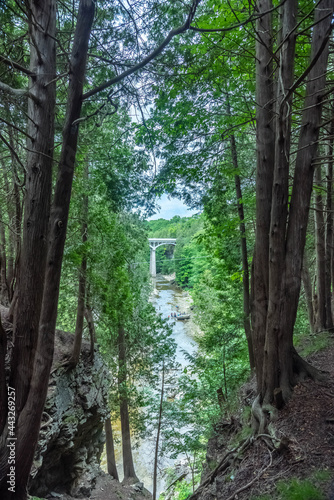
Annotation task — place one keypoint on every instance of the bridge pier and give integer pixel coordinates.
(154, 244)
(153, 265)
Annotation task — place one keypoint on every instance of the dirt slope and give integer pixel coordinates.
(241, 467)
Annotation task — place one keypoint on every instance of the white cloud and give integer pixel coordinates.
(171, 207)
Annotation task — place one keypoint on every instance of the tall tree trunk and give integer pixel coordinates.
(265, 141)
(18, 243)
(111, 462)
(280, 362)
(15, 215)
(308, 292)
(291, 365)
(156, 452)
(91, 327)
(128, 466)
(10, 240)
(244, 253)
(82, 282)
(3, 266)
(329, 226)
(320, 252)
(41, 110)
(3, 387)
(273, 363)
(304, 169)
(41, 308)
(41, 106)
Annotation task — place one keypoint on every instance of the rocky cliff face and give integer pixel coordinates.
(71, 437)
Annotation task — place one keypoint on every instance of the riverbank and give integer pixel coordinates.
(183, 302)
(182, 299)
(169, 277)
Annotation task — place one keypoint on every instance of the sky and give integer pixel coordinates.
(171, 207)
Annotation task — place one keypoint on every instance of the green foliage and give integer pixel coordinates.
(299, 489)
(311, 343)
(206, 96)
(209, 265)
(322, 475)
(190, 257)
(181, 489)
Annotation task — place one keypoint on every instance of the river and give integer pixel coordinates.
(167, 298)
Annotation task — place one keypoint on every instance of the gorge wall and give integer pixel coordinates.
(71, 436)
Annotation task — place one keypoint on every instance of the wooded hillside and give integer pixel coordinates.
(104, 106)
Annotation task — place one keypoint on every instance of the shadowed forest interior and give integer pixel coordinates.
(130, 366)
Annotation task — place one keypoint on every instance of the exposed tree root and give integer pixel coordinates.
(261, 416)
(263, 413)
(231, 456)
(303, 369)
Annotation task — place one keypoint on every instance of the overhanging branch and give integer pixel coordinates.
(16, 128)
(16, 65)
(17, 92)
(302, 77)
(14, 92)
(150, 57)
(12, 151)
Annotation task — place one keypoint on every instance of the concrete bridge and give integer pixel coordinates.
(154, 244)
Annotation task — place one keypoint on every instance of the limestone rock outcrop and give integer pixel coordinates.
(71, 436)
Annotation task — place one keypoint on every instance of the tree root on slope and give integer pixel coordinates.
(304, 370)
(261, 415)
(230, 457)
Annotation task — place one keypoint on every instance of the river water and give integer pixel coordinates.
(167, 298)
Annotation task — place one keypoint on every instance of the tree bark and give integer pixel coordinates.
(41, 106)
(111, 462)
(306, 279)
(320, 252)
(82, 283)
(265, 147)
(329, 227)
(41, 308)
(304, 168)
(9, 247)
(244, 253)
(273, 363)
(37, 198)
(15, 217)
(3, 266)
(3, 387)
(276, 312)
(156, 451)
(301, 196)
(128, 466)
(91, 328)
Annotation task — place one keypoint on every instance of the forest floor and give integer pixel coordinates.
(301, 459)
(107, 488)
